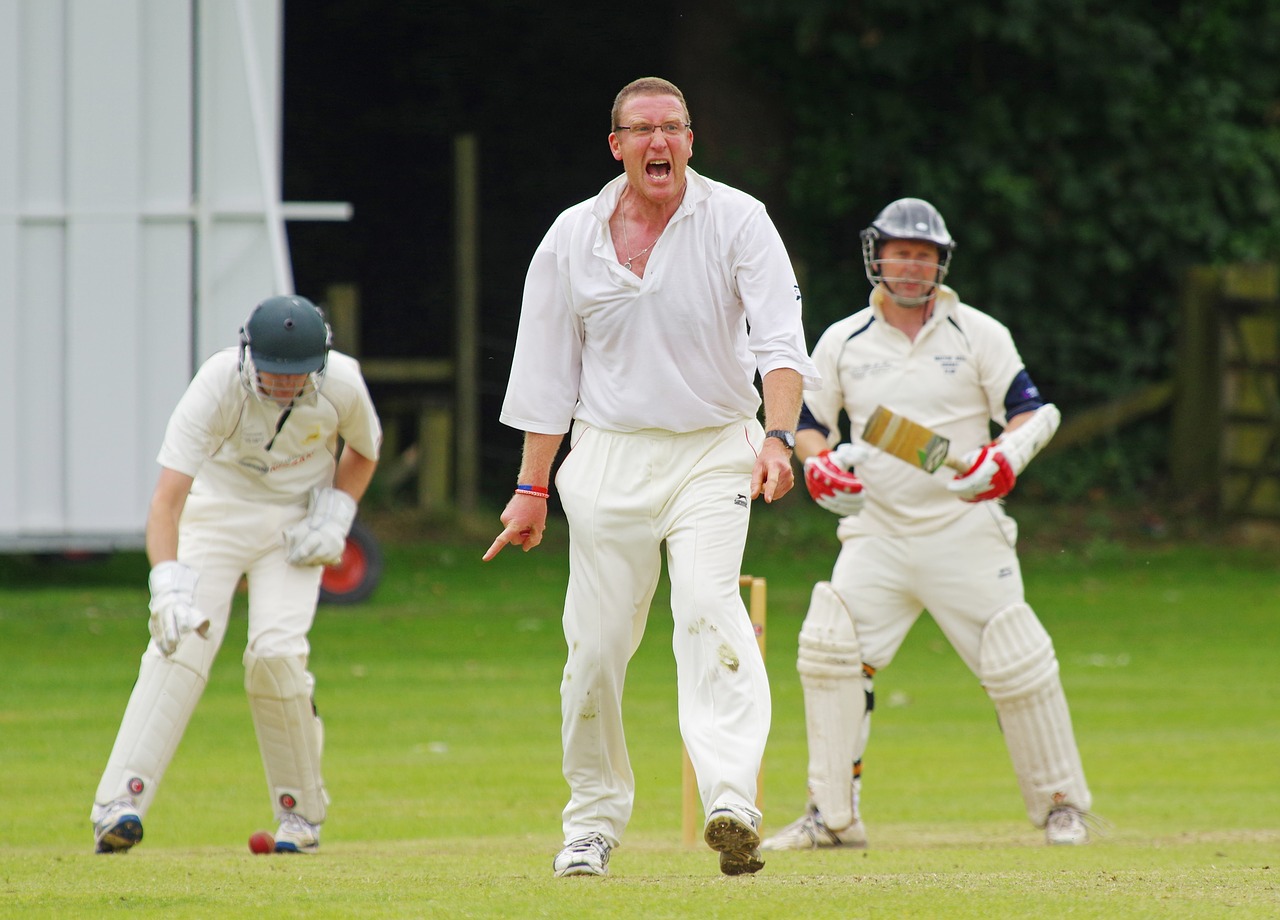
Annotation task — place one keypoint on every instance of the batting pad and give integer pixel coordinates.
(290, 734)
(155, 719)
(1020, 674)
(835, 703)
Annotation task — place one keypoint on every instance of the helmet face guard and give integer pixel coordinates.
(906, 219)
(284, 348)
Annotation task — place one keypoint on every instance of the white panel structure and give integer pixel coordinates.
(140, 221)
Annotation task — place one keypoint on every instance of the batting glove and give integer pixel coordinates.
(990, 475)
(173, 611)
(831, 482)
(320, 537)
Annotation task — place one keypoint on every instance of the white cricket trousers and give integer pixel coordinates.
(222, 539)
(964, 574)
(624, 495)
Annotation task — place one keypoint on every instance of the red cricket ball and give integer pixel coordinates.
(262, 842)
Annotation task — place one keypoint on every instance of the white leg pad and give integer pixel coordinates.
(1020, 674)
(835, 703)
(155, 719)
(290, 734)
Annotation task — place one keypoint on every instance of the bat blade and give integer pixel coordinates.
(909, 441)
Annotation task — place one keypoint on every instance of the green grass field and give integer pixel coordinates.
(442, 716)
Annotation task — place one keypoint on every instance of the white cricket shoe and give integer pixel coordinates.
(117, 827)
(297, 835)
(737, 842)
(1066, 827)
(585, 855)
(809, 832)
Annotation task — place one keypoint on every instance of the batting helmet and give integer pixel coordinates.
(907, 219)
(284, 335)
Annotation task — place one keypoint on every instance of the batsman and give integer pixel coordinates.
(913, 540)
(252, 483)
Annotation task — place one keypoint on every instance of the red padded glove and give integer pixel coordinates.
(832, 485)
(989, 476)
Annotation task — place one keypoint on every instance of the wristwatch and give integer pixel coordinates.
(786, 437)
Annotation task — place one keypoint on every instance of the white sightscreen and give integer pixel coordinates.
(128, 253)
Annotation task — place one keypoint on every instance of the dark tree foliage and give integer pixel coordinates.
(376, 93)
(1084, 155)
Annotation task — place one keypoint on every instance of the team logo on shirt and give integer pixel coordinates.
(871, 369)
(292, 461)
(949, 363)
(741, 500)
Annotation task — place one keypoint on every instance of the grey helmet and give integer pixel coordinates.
(907, 219)
(284, 334)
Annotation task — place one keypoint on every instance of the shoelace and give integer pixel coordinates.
(582, 845)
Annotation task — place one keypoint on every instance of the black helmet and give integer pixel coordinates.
(286, 335)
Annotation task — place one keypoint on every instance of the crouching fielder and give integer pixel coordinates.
(911, 541)
(251, 484)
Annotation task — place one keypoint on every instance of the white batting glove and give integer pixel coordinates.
(990, 475)
(320, 537)
(831, 482)
(173, 611)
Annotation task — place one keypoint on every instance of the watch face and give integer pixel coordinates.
(786, 437)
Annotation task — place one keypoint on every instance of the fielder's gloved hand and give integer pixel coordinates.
(173, 611)
(320, 537)
(990, 475)
(831, 482)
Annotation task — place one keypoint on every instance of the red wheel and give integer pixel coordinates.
(357, 575)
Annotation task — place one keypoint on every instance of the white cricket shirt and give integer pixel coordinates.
(239, 446)
(953, 379)
(670, 350)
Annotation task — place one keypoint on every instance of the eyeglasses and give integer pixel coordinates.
(669, 128)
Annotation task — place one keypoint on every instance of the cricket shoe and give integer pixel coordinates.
(1066, 827)
(117, 828)
(585, 855)
(297, 835)
(737, 842)
(809, 832)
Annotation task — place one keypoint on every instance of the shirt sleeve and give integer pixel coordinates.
(771, 297)
(546, 367)
(825, 405)
(203, 418)
(358, 423)
(1000, 366)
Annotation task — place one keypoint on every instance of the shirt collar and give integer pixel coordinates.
(944, 303)
(697, 189)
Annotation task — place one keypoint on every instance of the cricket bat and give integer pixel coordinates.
(909, 441)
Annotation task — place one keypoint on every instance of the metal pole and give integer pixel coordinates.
(467, 274)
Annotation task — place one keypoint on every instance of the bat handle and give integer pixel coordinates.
(956, 464)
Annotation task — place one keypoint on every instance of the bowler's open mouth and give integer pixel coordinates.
(658, 168)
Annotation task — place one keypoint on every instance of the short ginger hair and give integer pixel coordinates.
(646, 86)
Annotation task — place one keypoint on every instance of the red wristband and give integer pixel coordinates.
(535, 491)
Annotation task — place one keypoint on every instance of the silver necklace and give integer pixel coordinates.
(627, 243)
